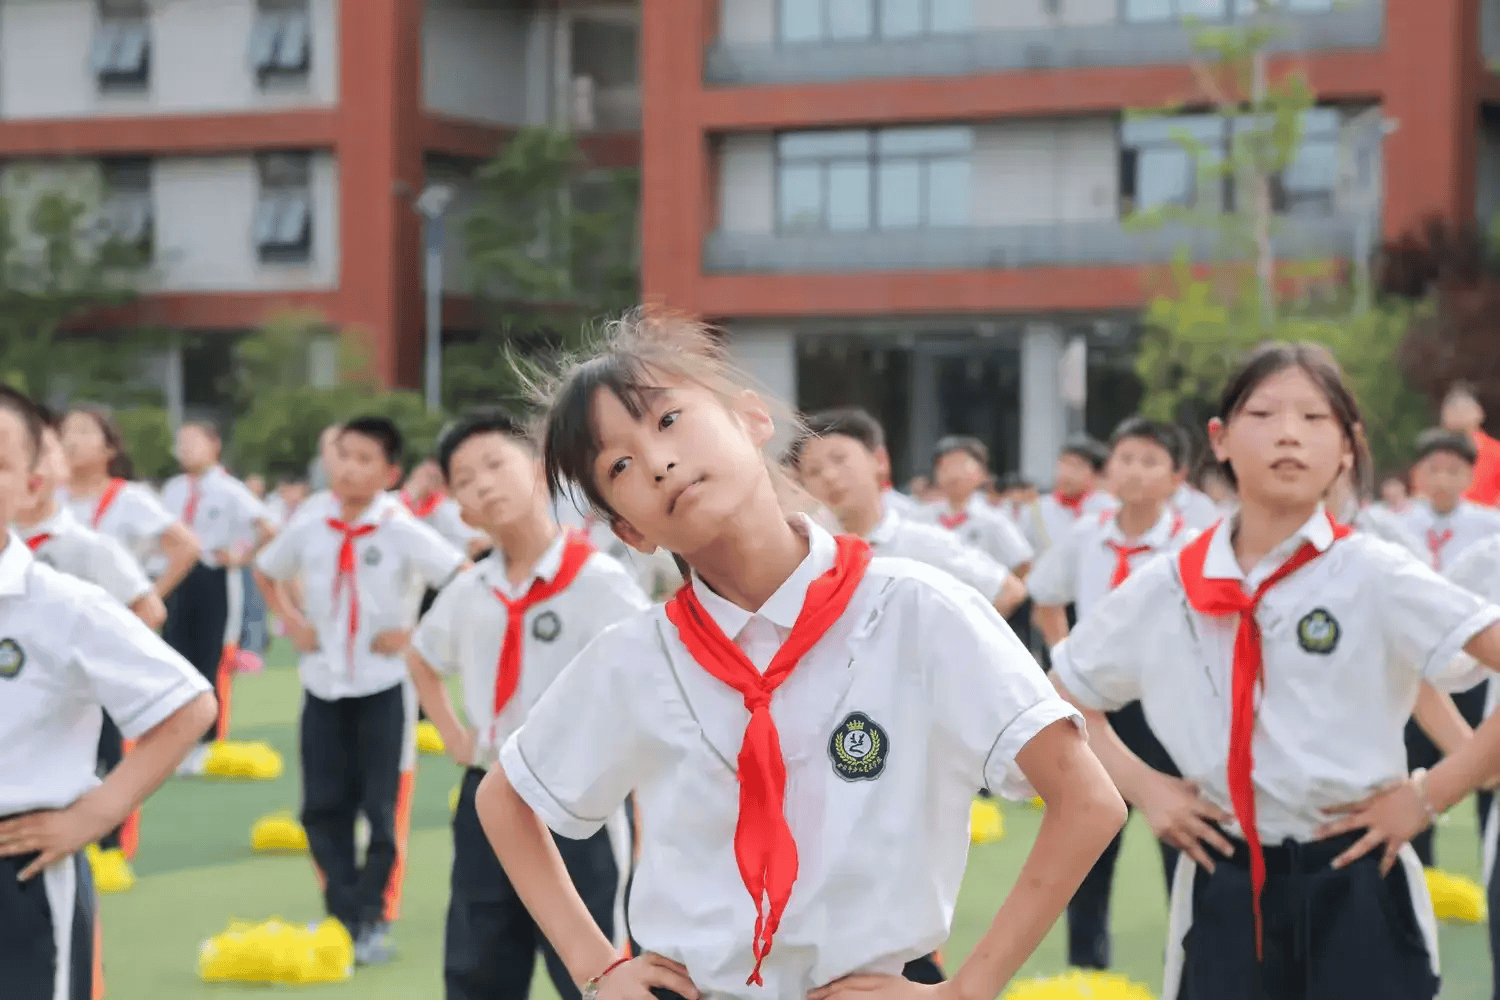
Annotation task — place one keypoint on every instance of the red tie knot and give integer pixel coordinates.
(757, 699)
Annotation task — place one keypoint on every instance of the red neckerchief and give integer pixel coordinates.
(106, 499)
(1124, 553)
(576, 552)
(1435, 542)
(953, 520)
(431, 502)
(195, 492)
(37, 541)
(763, 843)
(346, 571)
(1073, 505)
(1221, 598)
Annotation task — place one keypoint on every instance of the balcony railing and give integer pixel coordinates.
(1067, 244)
(1360, 25)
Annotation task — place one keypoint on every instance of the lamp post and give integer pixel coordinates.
(432, 203)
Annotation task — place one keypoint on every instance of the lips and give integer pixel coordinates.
(1289, 465)
(672, 504)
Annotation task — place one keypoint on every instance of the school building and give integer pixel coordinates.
(917, 205)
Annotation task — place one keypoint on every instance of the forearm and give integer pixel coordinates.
(1012, 595)
(277, 600)
(432, 694)
(1439, 718)
(152, 759)
(150, 609)
(181, 550)
(1052, 619)
(525, 848)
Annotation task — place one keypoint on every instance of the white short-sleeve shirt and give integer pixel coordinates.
(986, 528)
(1347, 640)
(898, 535)
(68, 649)
(133, 516)
(226, 513)
(922, 658)
(1049, 521)
(465, 628)
(68, 547)
(1080, 568)
(1448, 535)
(1478, 570)
(390, 563)
(1196, 507)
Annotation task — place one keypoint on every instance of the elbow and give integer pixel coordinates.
(188, 548)
(200, 713)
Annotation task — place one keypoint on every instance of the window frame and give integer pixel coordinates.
(275, 197)
(115, 24)
(274, 19)
(1234, 11)
(137, 192)
(877, 34)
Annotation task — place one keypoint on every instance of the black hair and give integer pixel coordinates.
(1168, 436)
(29, 413)
(849, 422)
(1015, 481)
(380, 430)
(208, 427)
(971, 446)
(487, 420)
(120, 466)
(1319, 365)
(1438, 439)
(1088, 449)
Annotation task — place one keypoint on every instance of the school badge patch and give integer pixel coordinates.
(547, 626)
(12, 659)
(858, 748)
(372, 556)
(1318, 632)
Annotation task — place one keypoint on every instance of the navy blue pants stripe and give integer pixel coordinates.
(197, 614)
(28, 949)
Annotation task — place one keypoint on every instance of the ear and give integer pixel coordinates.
(1216, 432)
(756, 416)
(626, 533)
(393, 477)
(883, 461)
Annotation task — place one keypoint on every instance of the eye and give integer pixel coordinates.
(668, 419)
(618, 467)
(1318, 416)
(1258, 414)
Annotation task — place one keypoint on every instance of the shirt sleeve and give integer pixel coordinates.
(435, 558)
(1100, 662)
(1011, 547)
(435, 638)
(1053, 581)
(581, 749)
(116, 570)
(147, 517)
(137, 677)
(966, 565)
(282, 557)
(1427, 619)
(990, 696)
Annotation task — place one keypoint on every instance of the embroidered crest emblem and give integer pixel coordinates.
(858, 748)
(12, 659)
(1318, 632)
(547, 626)
(372, 556)
(213, 512)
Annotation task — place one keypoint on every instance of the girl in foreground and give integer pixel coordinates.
(1306, 644)
(800, 721)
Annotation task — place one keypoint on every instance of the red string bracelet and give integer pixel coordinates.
(594, 983)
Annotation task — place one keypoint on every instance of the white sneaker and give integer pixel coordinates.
(192, 764)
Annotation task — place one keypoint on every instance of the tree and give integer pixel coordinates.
(551, 248)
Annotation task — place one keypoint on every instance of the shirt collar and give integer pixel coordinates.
(785, 605)
(380, 508)
(546, 568)
(883, 532)
(13, 563)
(1158, 536)
(1220, 563)
(61, 520)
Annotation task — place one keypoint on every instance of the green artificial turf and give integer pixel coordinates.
(196, 873)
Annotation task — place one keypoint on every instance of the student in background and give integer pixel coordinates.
(1075, 492)
(1462, 415)
(1394, 495)
(205, 614)
(424, 496)
(960, 468)
(507, 627)
(1146, 465)
(70, 651)
(357, 554)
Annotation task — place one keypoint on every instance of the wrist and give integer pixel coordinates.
(1439, 789)
(596, 968)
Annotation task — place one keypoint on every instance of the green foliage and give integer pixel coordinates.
(148, 440)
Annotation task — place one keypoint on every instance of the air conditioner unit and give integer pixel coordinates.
(584, 116)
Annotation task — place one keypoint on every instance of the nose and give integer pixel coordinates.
(662, 470)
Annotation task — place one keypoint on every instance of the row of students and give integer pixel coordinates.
(69, 652)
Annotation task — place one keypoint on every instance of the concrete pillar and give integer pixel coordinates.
(768, 355)
(1044, 417)
(923, 420)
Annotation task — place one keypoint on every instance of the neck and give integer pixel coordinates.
(43, 510)
(197, 471)
(1262, 528)
(1445, 506)
(863, 521)
(1073, 496)
(755, 554)
(350, 510)
(524, 541)
(959, 501)
(87, 482)
(1137, 519)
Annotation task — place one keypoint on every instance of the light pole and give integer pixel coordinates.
(432, 203)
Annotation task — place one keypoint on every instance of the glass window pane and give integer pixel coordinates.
(848, 196)
(951, 16)
(292, 53)
(849, 19)
(1149, 10)
(267, 213)
(1204, 9)
(1163, 177)
(1309, 6)
(1321, 122)
(295, 215)
(1207, 129)
(900, 18)
(900, 194)
(1312, 178)
(801, 20)
(801, 197)
(803, 145)
(915, 141)
(948, 202)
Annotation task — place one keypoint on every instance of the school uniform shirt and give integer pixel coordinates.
(1081, 568)
(917, 659)
(1196, 507)
(1049, 520)
(898, 535)
(132, 516)
(389, 562)
(218, 508)
(1449, 535)
(66, 649)
(985, 528)
(1387, 526)
(894, 499)
(1346, 639)
(68, 547)
(654, 574)
(465, 629)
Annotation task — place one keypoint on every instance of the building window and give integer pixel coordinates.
(1145, 11)
(121, 56)
(606, 76)
(1309, 184)
(126, 208)
(865, 20)
(281, 40)
(848, 181)
(283, 218)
